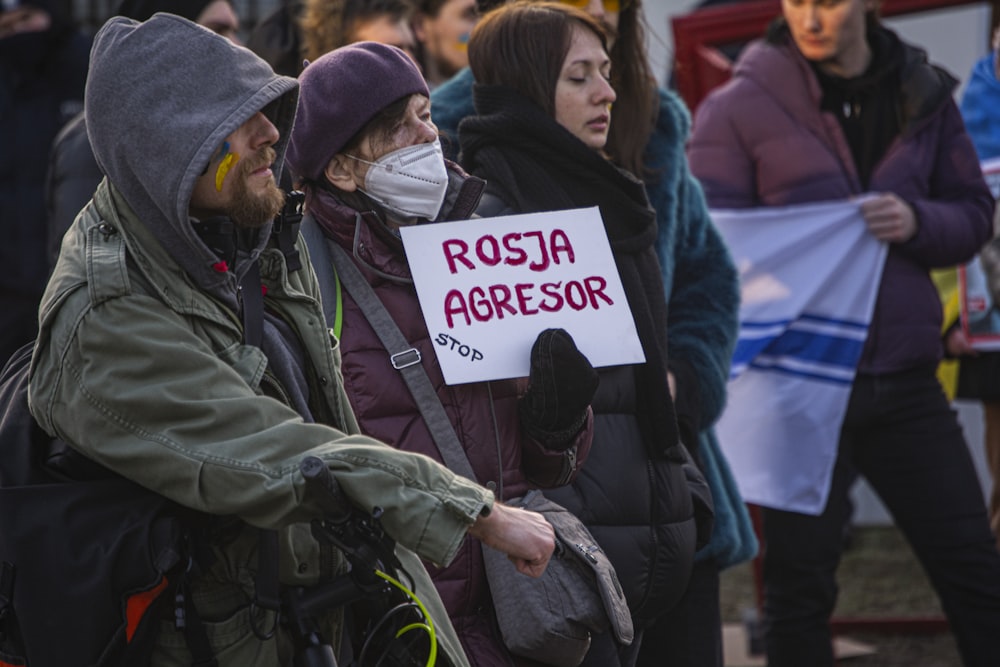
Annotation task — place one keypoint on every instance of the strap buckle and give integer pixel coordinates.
(405, 359)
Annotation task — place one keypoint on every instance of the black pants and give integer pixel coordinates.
(18, 321)
(901, 434)
(690, 634)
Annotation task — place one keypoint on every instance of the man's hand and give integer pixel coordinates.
(958, 345)
(526, 537)
(889, 218)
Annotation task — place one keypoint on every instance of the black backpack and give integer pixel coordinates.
(88, 559)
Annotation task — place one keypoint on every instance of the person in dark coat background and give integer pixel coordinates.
(278, 39)
(43, 68)
(73, 173)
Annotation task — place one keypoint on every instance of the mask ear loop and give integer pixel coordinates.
(353, 157)
(371, 164)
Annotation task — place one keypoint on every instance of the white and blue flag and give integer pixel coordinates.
(809, 277)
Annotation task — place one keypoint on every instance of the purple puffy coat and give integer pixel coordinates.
(491, 434)
(762, 140)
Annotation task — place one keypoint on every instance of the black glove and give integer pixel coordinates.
(561, 386)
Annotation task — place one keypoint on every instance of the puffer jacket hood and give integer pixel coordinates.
(201, 88)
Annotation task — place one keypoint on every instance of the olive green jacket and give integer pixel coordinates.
(146, 374)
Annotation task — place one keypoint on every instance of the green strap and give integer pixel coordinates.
(338, 316)
(326, 274)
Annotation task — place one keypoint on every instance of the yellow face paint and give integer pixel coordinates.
(224, 167)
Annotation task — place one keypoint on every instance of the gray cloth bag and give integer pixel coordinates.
(550, 618)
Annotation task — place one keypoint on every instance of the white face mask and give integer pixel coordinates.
(410, 182)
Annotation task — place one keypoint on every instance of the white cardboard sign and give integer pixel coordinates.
(488, 286)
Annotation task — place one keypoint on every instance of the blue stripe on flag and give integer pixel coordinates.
(786, 367)
(813, 346)
(804, 319)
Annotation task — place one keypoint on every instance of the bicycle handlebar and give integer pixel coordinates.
(368, 549)
(318, 477)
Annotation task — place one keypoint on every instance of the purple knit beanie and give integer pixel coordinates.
(339, 93)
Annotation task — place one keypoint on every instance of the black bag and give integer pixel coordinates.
(87, 558)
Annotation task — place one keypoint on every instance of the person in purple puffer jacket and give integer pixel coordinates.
(831, 105)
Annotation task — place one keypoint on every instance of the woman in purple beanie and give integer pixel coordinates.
(366, 152)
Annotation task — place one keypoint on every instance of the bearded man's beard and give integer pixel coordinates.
(255, 209)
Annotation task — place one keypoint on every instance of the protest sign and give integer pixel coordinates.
(488, 286)
(980, 316)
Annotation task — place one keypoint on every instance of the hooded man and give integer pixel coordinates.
(73, 174)
(182, 349)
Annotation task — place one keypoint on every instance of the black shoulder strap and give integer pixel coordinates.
(405, 359)
(286, 226)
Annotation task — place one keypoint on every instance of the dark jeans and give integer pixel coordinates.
(690, 634)
(902, 435)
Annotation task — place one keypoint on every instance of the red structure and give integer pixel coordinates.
(700, 66)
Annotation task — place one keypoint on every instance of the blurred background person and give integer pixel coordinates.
(301, 30)
(73, 173)
(43, 70)
(978, 372)
(442, 29)
(219, 16)
(326, 25)
(277, 38)
(828, 106)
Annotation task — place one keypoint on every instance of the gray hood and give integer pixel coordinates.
(161, 97)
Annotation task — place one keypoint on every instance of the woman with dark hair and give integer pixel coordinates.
(649, 128)
(544, 105)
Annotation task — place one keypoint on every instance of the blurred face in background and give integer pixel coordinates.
(583, 93)
(387, 30)
(220, 17)
(831, 33)
(605, 11)
(445, 36)
(23, 20)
